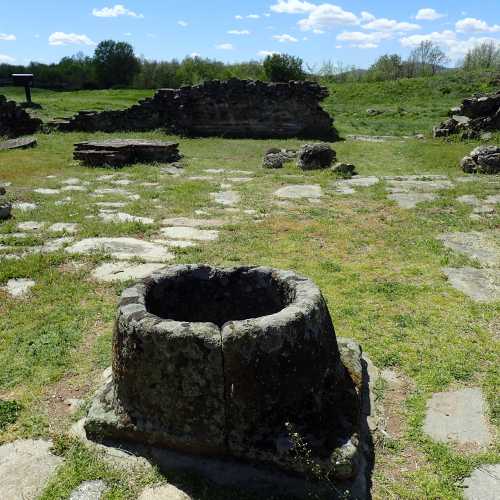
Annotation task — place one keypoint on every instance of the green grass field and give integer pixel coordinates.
(379, 267)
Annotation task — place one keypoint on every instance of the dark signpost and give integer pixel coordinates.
(25, 80)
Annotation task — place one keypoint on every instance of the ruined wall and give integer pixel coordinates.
(233, 108)
(14, 121)
(473, 117)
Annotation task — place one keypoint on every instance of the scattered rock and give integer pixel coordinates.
(111, 204)
(315, 156)
(272, 161)
(89, 490)
(25, 468)
(483, 484)
(21, 143)
(373, 112)
(482, 160)
(481, 285)
(190, 233)
(344, 169)
(24, 206)
(30, 226)
(470, 199)
(112, 191)
(297, 191)
(458, 417)
(19, 287)
(476, 245)
(80, 189)
(164, 492)
(124, 272)
(122, 249)
(174, 171)
(72, 181)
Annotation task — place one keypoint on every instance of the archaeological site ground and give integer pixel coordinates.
(297, 289)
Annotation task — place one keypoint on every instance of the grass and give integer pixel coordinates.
(379, 268)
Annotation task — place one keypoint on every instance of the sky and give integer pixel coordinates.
(353, 32)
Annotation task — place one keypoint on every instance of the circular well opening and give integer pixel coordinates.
(218, 296)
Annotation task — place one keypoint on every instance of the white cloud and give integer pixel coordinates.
(384, 24)
(116, 11)
(367, 17)
(265, 53)
(448, 41)
(253, 16)
(184, 24)
(60, 38)
(428, 15)
(239, 32)
(285, 38)
(225, 46)
(293, 7)
(127, 34)
(360, 40)
(267, 14)
(327, 16)
(5, 59)
(238, 17)
(473, 25)
(7, 38)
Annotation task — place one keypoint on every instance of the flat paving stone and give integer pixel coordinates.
(80, 189)
(24, 206)
(121, 271)
(66, 227)
(117, 217)
(47, 191)
(173, 171)
(416, 185)
(190, 233)
(298, 191)
(186, 221)
(482, 246)
(481, 285)
(240, 180)
(411, 200)
(176, 243)
(89, 490)
(470, 199)
(72, 181)
(122, 249)
(226, 198)
(360, 181)
(19, 143)
(113, 191)
(164, 492)
(214, 170)
(30, 226)
(458, 417)
(25, 468)
(19, 287)
(111, 204)
(494, 199)
(483, 484)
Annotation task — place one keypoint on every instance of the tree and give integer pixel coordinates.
(483, 56)
(283, 68)
(115, 63)
(427, 58)
(387, 67)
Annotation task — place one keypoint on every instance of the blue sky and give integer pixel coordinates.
(353, 32)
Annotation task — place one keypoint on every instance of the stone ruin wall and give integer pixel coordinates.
(475, 116)
(233, 108)
(14, 121)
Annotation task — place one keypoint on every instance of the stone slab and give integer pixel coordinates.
(19, 287)
(226, 198)
(190, 233)
(66, 227)
(481, 285)
(25, 468)
(122, 249)
(121, 271)
(20, 143)
(30, 226)
(89, 490)
(482, 246)
(458, 417)
(298, 191)
(483, 484)
(46, 191)
(411, 200)
(186, 221)
(124, 217)
(24, 206)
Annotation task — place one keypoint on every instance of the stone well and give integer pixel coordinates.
(217, 362)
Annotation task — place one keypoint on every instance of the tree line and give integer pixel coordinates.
(115, 65)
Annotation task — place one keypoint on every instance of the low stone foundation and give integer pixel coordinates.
(14, 121)
(232, 108)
